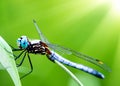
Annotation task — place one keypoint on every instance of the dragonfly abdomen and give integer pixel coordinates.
(55, 56)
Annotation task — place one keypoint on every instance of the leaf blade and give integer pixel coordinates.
(7, 61)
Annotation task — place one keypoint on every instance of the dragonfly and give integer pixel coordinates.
(44, 47)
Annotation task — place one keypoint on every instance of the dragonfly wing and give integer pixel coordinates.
(80, 55)
(43, 38)
(59, 48)
(70, 51)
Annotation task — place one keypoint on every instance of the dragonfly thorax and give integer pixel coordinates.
(36, 47)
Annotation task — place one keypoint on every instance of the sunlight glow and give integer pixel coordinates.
(116, 5)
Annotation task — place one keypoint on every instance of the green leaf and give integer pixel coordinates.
(7, 62)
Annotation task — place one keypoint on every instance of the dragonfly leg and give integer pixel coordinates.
(16, 57)
(18, 65)
(15, 49)
(31, 66)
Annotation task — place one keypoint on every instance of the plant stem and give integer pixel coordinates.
(70, 73)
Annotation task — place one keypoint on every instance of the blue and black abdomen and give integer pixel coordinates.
(55, 56)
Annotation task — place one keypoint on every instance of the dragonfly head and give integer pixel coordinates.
(23, 42)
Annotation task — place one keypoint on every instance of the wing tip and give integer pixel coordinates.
(34, 21)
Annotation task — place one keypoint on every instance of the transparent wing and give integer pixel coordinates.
(70, 51)
(80, 55)
(43, 38)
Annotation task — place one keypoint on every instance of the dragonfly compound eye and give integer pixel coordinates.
(23, 42)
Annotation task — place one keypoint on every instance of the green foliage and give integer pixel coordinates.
(89, 26)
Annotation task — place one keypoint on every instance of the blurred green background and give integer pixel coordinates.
(89, 26)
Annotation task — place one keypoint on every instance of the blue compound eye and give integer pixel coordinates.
(23, 42)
